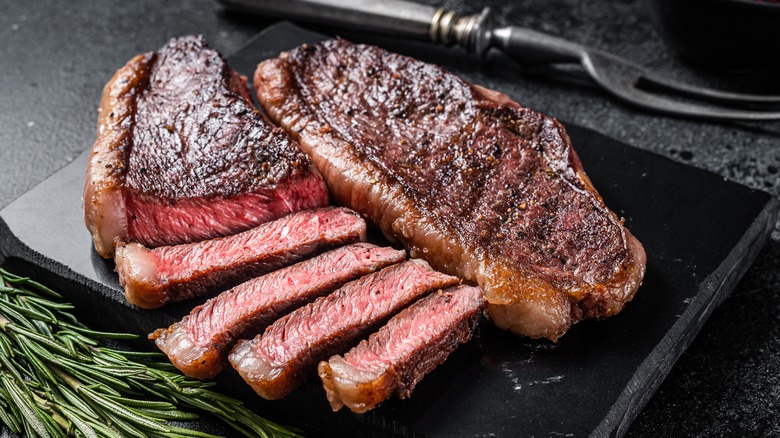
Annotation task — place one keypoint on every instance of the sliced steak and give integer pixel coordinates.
(400, 354)
(182, 154)
(288, 351)
(198, 345)
(154, 277)
(467, 179)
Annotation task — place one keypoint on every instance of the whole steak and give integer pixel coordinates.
(182, 154)
(467, 179)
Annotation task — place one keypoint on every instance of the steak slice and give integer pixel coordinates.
(198, 345)
(278, 361)
(467, 179)
(154, 277)
(183, 155)
(400, 354)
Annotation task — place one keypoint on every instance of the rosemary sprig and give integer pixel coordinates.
(58, 380)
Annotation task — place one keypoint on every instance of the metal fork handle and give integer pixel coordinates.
(530, 47)
(477, 34)
(395, 17)
(398, 18)
(413, 20)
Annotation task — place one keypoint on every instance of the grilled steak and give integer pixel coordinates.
(198, 345)
(400, 354)
(182, 154)
(278, 361)
(152, 278)
(467, 179)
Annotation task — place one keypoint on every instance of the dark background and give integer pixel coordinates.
(52, 53)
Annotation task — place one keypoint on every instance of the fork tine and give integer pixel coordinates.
(706, 93)
(620, 78)
(656, 103)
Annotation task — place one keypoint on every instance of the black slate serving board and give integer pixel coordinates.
(700, 233)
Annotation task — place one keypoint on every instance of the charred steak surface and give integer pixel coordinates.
(183, 155)
(464, 177)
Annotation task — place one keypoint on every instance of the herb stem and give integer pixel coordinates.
(57, 379)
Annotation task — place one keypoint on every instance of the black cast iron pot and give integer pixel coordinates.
(733, 34)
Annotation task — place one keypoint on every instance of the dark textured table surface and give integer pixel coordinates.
(52, 54)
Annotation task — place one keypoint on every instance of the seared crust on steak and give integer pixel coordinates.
(104, 206)
(464, 177)
(183, 155)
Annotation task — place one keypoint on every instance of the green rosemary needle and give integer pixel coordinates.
(58, 380)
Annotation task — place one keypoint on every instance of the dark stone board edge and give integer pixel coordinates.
(712, 292)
